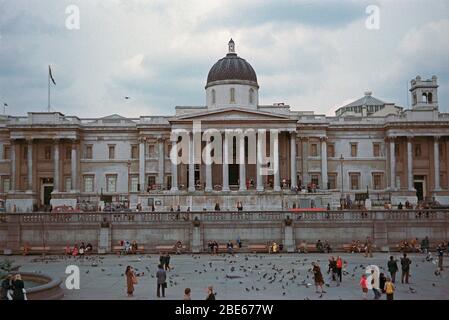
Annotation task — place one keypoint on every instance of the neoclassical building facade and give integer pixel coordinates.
(395, 154)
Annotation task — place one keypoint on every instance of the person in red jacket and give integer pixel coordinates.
(340, 264)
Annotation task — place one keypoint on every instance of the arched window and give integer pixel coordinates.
(251, 96)
(424, 97)
(429, 97)
(232, 95)
(213, 96)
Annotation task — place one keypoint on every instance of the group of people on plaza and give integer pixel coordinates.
(13, 288)
(78, 251)
(161, 280)
(129, 247)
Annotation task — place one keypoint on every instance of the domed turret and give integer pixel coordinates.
(232, 81)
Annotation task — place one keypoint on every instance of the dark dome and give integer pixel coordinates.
(231, 67)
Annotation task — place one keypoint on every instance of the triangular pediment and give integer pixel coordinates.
(233, 114)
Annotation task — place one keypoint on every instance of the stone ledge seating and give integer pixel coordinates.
(121, 249)
(258, 248)
(169, 248)
(35, 250)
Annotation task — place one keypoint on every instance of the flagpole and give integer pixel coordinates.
(48, 88)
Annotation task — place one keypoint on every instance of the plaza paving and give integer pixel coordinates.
(247, 276)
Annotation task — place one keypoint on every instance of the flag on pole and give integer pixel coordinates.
(51, 76)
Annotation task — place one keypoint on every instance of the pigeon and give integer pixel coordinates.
(321, 295)
(127, 98)
(247, 289)
(412, 290)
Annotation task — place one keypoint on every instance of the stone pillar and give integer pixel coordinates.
(289, 238)
(142, 182)
(104, 239)
(13, 235)
(13, 166)
(436, 163)
(242, 164)
(191, 163)
(30, 165)
(225, 164)
(277, 165)
(56, 180)
(305, 164)
(410, 164)
(174, 166)
(293, 170)
(196, 241)
(260, 156)
(74, 166)
(208, 167)
(161, 162)
(392, 165)
(324, 163)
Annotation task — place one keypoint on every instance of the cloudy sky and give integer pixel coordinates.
(313, 55)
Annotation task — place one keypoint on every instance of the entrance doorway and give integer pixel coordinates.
(419, 183)
(234, 174)
(46, 190)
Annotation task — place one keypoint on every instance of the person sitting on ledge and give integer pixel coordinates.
(239, 206)
(89, 248)
(327, 246)
(319, 246)
(230, 247)
(134, 247)
(400, 206)
(303, 247)
(274, 247)
(217, 206)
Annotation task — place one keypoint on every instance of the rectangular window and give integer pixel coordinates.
(377, 181)
(330, 150)
(134, 183)
(168, 150)
(68, 153)
(332, 181)
(315, 179)
(6, 184)
(88, 183)
(151, 181)
(134, 152)
(88, 154)
(417, 150)
(355, 181)
(25, 153)
(111, 151)
(111, 183)
(47, 153)
(151, 152)
(314, 150)
(376, 149)
(68, 184)
(353, 149)
(6, 152)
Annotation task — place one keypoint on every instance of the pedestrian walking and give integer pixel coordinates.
(339, 265)
(375, 285)
(18, 288)
(382, 281)
(131, 280)
(405, 266)
(332, 268)
(187, 294)
(440, 254)
(368, 248)
(161, 277)
(364, 286)
(389, 289)
(5, 287)
(392, 268)
(318, 277)
(210, 293)
(167, 262)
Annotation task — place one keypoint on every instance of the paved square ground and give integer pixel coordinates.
(243, 276)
